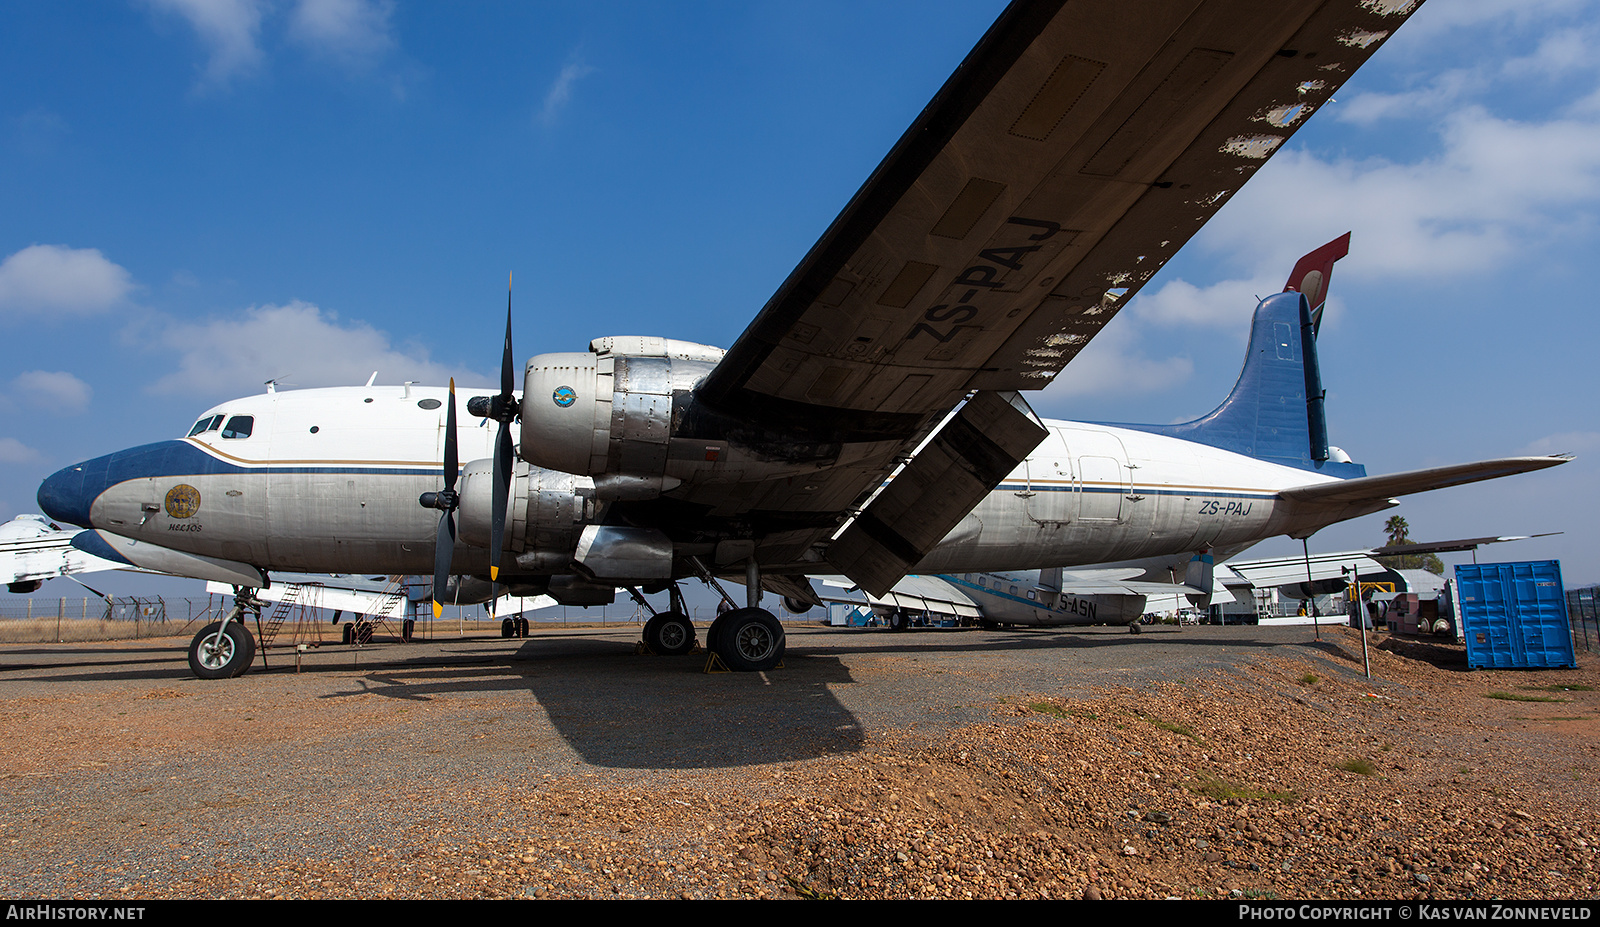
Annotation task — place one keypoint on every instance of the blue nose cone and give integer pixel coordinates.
(68, 493)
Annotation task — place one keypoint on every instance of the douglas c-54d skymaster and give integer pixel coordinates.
(863, 421)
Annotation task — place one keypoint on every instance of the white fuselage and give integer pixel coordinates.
(328, 480)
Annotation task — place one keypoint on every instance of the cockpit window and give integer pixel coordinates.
(209, 423)
(239, 426)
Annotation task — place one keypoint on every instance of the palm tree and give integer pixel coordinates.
(1398, 531)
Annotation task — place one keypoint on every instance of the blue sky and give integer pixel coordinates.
(199, 195)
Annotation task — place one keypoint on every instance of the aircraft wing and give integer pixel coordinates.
(1072, 153)
(1369, 489)
(32, 551)
(914, 593)
(1267, 572)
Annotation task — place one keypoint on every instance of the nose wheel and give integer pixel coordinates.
(222, 650)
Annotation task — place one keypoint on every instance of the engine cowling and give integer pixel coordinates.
(608, 414)
(546, 511)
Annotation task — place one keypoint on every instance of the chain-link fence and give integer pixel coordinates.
(1581, 613)
(89, 618)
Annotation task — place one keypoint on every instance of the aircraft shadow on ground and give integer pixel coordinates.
(1027, 639)
(619, 710)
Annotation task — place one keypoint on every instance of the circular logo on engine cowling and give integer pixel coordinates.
(183, 501)
(564, 396)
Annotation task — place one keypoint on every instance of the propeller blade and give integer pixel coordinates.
(452, 464)
(507, 360)
(502, 489)
(502, 448)
(444, 546)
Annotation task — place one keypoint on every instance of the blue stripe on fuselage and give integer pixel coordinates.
(67, 494)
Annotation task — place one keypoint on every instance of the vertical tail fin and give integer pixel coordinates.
(1275, 412)
(1313, 273)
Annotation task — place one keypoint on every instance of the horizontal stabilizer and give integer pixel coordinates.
(1375, 488)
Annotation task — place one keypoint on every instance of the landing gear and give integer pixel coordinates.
(508, 628)
(899, 620)
(748, 640)
(670, 634)
(222, 650)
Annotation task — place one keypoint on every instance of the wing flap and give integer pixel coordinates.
(967, 459)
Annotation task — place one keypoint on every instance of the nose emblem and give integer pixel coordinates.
(182, 501)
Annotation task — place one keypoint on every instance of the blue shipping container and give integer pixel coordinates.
(1514, 615)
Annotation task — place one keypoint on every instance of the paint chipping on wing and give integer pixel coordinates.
(1252, 146)
(1285, 115)
(1063, 338)
(1390, 7)
(1307, 86)
(1361, 38)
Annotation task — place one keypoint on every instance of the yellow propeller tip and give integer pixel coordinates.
(494, 573)
(437, 609)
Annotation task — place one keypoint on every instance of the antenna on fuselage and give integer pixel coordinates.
(272, 385)
(372, 379)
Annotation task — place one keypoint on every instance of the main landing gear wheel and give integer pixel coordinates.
(899, 620)
(749, 640)
(214, 657)
(669, 634)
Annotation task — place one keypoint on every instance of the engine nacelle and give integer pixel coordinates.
(608, 413)
(546, 511)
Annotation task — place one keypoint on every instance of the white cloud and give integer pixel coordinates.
(1111, 364)
(53, 391)
(299, 344)
(561, 91)
(1496, 190)
(57, 279)
(1228, 304)
(1567, 442)
(353, 32)
(229, 29)
(14, 451)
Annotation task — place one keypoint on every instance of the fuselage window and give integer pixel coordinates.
(1013, 590)
(239, 426)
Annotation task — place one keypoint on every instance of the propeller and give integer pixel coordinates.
(446, 501)
(503, 409)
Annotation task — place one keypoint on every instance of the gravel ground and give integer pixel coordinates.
(1082, 763)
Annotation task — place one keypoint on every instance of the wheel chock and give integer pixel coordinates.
(714, 663)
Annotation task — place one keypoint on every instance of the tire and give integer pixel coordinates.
(407, 628)
(899, 620)
(750, 640)
(507, 630)
(669, 634)
(233, 653)
(349, 634)
(522, 627)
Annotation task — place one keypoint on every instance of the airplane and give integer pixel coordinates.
(32, 550)
(867, 419)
